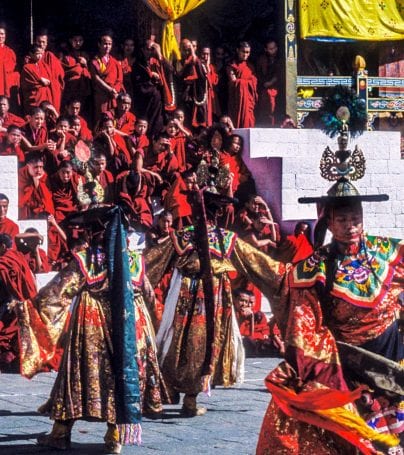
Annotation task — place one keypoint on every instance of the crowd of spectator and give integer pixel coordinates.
(134, 130)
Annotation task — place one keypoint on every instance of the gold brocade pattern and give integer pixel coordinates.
(51, 305)
(182, 367)
(84, 387)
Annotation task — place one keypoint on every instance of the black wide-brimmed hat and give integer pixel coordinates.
(343, 192)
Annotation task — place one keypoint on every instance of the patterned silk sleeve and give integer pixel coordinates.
(43, 319)
(266, 273)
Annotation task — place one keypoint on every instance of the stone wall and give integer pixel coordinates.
(285, 164)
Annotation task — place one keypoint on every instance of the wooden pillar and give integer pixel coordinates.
(291, 57)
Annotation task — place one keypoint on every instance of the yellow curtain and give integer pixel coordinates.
(375, 20)
(170, 11)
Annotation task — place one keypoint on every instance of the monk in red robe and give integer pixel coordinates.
(139, 140)
(114, 147)
(56, 71)
(124, 119)
(16, 283)
(242, 89)
(134, 189)
(242, 181)
(176, 200)
(73, 109)
(77, 76)
(63, 185)
(6, 117)
(98, 170)
(107, 77)
(35, 199)
(9, 77)
(162, 160)
(36, 79)
(7, 226)
(10, 143)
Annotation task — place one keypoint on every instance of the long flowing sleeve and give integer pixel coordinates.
(268, 274)
(43, 319)
(157, 258)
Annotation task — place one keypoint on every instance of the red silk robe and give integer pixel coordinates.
(242, 95)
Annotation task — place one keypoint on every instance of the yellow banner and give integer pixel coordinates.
(170, 11)
(373, 20)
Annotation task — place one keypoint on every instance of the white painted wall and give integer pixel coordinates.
(285, 164)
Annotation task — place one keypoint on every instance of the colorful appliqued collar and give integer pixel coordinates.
(221, 248)
(96, 270)
(362, 278)
(136, 267)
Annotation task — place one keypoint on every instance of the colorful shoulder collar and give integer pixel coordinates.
(183, 241)
(92, 274)
(361, 279)
(136, 267)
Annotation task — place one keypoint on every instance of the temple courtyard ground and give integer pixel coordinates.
(231, 425)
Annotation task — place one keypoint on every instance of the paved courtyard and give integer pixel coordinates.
(231, 425)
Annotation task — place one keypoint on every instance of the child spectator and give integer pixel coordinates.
(7, 226)
(253, 325)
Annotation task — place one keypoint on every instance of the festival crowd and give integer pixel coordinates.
(118, 153)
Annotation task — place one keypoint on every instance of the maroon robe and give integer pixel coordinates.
(33, 201)
(242, 95)
(111, 74)
(9, 78)
(77, 79)
(33, 91)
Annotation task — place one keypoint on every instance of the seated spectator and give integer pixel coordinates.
(253, 325)
(28, 243)
(64, 145)
(35, 132)
(77, 130)
(243, 183)
(51, 114)
(263, 234)
(177, 141)
(302, 242)
(73, 109)
(113, 146)
(134, 189)
(176, 201)
(161, 232)
(124, 120)
(17, 283)
(253, 207)
(35, 198)
(6, 117)
(10, 143)
(161, 159)
(63, 185)
(98, 170)
(7, 226)
(140, 141)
